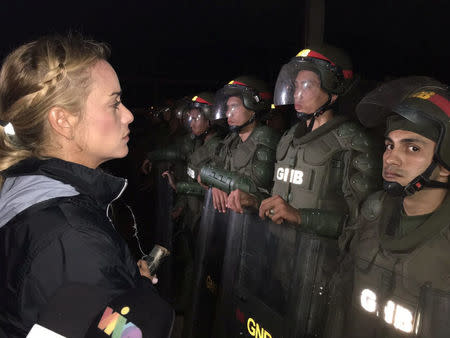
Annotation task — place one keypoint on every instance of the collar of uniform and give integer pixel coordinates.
(322, 130)
(435, 223)
(104, 188)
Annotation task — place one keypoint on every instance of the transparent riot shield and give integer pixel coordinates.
(208, 261)
(274, 281)
(382, 303)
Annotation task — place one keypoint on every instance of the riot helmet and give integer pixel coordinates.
(377, 105)
(334, 69)
(181, 111)
(253, 93)
(204, 103)
(417, 104)
(200, 112)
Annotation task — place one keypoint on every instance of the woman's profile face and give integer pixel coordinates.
(103, 132)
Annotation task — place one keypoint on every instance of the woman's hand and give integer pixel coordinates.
(145, 271)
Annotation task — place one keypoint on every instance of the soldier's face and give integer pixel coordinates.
(406, 156)
(237, 114)
(198, 122)
(308, 95)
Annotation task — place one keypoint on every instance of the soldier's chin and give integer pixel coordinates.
(393, 188)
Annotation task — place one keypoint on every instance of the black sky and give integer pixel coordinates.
(173, 48)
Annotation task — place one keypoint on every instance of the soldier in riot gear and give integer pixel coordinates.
(399, 256)
(207, 135)
(207, 132)
(176, 139)
(248, 152)
(325, 164)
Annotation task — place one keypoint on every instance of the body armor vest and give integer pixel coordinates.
(310, 169)
(253, 158)
(391, 273)
(201, 155)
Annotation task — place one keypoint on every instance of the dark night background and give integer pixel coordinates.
(174, 48)
(168, 49)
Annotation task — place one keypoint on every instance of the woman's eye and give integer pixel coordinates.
(388, 146)
(413, 148)
(117, 104)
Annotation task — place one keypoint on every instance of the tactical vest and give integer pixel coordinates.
(253, 158)
(391, 274)
(202, 155)
(310, 169)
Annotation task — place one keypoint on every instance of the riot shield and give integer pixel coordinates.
(382, 303)
(208, 260)
(275, 281)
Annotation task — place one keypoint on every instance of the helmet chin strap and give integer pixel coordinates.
(237, 129)
(322, 109)
(417, 184)
(201, 136)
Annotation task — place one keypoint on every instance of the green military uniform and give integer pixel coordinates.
(190, 199)
(189, 192)
(394, 258)
(395, 280)
(253, 158)
(326, 173)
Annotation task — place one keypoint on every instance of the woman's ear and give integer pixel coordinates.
(62, 122)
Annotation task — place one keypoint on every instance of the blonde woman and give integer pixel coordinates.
(63, 100)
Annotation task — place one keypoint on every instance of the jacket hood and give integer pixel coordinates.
(20, 193)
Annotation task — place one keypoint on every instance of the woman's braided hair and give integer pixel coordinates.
(53, 71)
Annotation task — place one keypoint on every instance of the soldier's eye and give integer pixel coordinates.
(413, 148)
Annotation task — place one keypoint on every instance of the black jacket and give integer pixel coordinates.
(54, 230)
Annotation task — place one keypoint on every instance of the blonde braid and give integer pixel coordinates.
(52, 71)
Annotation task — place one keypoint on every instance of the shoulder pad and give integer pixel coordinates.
(266, 136)
(213, 143)
(187, 147)
(372, 207)
(352, 135)
(348, 129)
(367, 162)
(265, 154)
(284, 142)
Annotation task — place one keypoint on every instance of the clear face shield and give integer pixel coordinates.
(305, 89)
(293, 85)
(284, 87)
(198, 122)
(181, 111)
(234, 106)
(195, 115)
(222, 108)
(219, 110)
